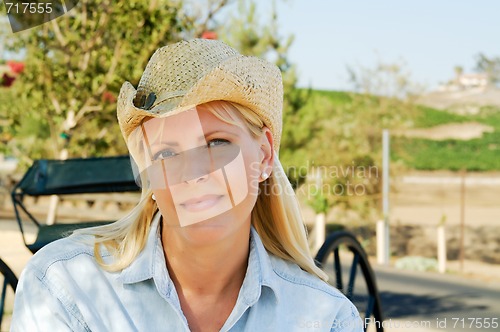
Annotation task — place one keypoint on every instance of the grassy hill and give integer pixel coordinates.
(478, 154)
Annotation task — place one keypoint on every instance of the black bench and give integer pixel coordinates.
(69, 177)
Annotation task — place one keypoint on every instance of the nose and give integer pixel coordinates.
(196, 168)
(202, 178)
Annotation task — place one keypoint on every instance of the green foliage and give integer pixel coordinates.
(430, 117)
(490, 66)
(489, 115)
(480, 154)
(339, 133)
(75, 66)
(319, 203)
(473, 155)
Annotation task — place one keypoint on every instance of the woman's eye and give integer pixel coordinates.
(163, 154)
(217, 142)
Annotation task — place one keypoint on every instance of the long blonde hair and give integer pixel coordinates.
(276, 215)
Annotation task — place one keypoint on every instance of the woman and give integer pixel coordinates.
(217, 242)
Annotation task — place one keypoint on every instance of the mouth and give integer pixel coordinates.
(201, 203)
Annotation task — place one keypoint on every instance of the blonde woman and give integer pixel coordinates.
(216, 242)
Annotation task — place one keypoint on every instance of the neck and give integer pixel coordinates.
(210, 270)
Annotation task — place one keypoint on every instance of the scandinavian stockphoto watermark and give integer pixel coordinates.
(338, 180)
(25, 15)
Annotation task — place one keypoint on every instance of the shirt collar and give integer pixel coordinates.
(259, 273)
(143, 267)
(151, 264)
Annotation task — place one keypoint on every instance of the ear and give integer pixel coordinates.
(266, 151)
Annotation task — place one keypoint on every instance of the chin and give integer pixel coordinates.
(216, 229)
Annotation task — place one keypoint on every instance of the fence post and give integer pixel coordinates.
(381, 242)
(462, 218)
(319, 229)
(441, 246)
(54, 199)
(383, 231)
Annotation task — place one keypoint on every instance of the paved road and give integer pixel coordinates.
(439, 302)
(418, 301)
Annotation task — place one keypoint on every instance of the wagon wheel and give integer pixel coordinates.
(347, 256)
(9, 279)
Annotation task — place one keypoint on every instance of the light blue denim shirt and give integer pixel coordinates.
(63, 289)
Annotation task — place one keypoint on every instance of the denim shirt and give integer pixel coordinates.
(63, 289)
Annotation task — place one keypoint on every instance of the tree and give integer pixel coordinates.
(245, 32)
(75, 65)
(490, 66)
(459, 70)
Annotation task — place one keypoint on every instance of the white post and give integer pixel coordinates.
(319, 228)
(441, 241)
(385, 195)
(319, 225)
(51, 214)
(54, 199)
(380, 242)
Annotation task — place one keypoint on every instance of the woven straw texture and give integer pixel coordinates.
(198, 71)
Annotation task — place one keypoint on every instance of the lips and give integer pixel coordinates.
(201, 203)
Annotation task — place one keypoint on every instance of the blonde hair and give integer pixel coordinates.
(276, 215)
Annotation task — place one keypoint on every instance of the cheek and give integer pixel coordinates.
(166, 205)
(252, 170)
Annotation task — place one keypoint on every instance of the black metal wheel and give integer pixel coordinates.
(340, 257)
(9, 280)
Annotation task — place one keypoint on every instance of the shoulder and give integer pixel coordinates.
(311, 296)
(59, 278)
(62, 254)
(300, 294)
(293, 276)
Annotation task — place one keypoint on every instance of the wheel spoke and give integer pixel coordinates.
(369, 306)
(352, 276)
(338, 269)
(2, 299)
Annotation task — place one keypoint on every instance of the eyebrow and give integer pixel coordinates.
(201, 138)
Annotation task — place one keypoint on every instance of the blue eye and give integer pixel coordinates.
(163, 154)
(217, 142)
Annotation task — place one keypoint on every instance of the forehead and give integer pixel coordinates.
(197, 121)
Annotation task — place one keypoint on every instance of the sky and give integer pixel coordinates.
(430, 36)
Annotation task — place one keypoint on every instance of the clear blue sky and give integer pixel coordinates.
(431, 36)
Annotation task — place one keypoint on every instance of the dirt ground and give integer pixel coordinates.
(459, 131)
(462, 101)
(424, 198)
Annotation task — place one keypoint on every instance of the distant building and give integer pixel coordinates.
(473, 80)
(466, 82)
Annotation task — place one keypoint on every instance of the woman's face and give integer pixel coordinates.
(204, 172)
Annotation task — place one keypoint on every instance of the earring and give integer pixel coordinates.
(264, 175)
(153, 197)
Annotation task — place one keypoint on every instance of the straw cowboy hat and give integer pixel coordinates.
(189, 73)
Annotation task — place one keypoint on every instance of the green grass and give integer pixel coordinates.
(336, 97)
(480, 154)
(489, 116)
(429, 117)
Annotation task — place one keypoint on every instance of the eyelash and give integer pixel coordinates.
(157, 155)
